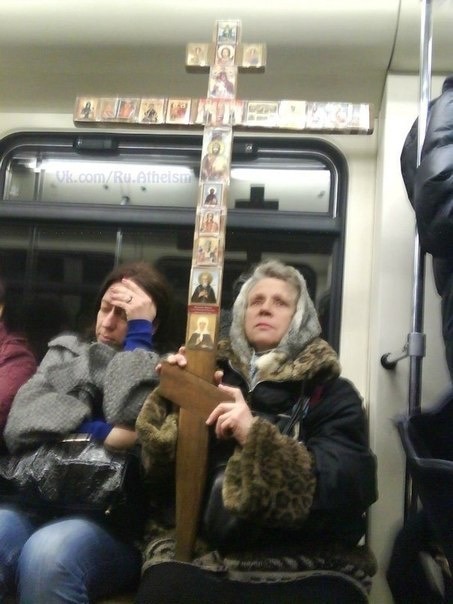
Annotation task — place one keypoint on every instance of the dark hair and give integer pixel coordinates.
(154, 283)
(3, 317)
(44, 317)
(10, 317)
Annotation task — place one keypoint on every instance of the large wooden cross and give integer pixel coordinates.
(192, 389)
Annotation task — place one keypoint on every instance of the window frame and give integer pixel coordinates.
(315, 227)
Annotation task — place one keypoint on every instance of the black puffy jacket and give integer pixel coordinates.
(430, 186)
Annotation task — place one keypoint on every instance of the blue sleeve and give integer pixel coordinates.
(139, 335)
(98, 429)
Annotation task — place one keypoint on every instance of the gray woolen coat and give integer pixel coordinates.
(78, 381)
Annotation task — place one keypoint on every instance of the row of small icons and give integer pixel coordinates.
(299, 115)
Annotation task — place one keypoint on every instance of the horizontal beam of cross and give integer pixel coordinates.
(292, 115)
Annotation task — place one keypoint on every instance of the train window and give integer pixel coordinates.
(166, 176)
(63, 179)
(74, 205)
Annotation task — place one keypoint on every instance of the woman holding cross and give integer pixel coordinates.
(290, 475)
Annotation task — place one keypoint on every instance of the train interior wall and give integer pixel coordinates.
(390, 292)
(377, 291)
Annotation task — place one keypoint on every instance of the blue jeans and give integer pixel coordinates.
(71, 560)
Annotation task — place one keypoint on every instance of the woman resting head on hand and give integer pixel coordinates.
(95, 385)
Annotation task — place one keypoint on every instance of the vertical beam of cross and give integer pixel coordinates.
(195, 398)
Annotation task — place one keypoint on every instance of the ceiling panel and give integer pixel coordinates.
(52, 51)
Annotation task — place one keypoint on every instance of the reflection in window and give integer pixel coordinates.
(71, 262)
(290, 189)
(71, 179)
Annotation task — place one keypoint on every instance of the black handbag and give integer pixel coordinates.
(76, 476)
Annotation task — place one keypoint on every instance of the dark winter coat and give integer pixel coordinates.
(17, 365)
(324, 471)
(73, 380)
(430, 186)
(430, 190)
(306, 491)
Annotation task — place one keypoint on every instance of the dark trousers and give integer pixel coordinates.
(406, 575)
(447, 322)
(181, 583)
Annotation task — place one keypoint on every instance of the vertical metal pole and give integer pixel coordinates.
(416, 342)
(416, 345)
(118, 246)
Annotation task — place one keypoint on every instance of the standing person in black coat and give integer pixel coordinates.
(430, 191)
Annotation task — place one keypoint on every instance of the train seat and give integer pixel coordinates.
(337, 589)
(428, 445)
(127, 598)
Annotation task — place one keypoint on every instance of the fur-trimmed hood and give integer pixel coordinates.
(317, 362)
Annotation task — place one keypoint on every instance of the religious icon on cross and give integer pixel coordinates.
(209, 235)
